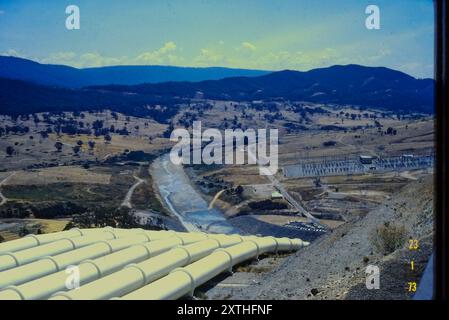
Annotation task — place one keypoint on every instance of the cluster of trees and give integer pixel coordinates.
(14, 130)
(96, 217)
(267, 205)
(293, 127)
(265, 106)
(24, 98)
(104, 217)
(391, 131)
(187, 119)
(234, 123)
(271, 117)
(352, 116)
(77, 148)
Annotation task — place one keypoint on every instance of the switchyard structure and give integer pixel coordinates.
(362, 165)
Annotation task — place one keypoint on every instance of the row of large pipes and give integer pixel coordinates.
(118, 263)
(135, 276)
(12, 259)
(140, 247)
(51, 264)
(9, 260)
(32, 240)
(183, 281)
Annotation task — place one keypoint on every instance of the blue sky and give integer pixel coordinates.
(255, 34)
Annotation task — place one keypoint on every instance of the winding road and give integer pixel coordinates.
(3, 199)
(127, 201)
(278, 186)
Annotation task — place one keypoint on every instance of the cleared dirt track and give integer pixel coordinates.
(3, 199)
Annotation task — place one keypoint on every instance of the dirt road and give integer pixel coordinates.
(127, 201)
(3, 199)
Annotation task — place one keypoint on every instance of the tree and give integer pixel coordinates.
(97, 124)
(168, 131)
(107, 138)
(76, 149)
(330, 143)
(9, 151)
(391, 131)
(24, 231)
(105, 216)
(91, 145)
(239, 190)
(58, 146)
(36, 119)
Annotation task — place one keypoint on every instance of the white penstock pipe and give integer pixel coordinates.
(48, 265)
(32, 240)
(183, 281)
(138, 275)
(9, 260)
(91, 270)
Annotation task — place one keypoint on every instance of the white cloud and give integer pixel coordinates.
(88, 59)
(420, 70)
(210, 57)
(248, 46)
(95, 59)
(164, 55)
(159, 56)
(59, 58)
(14, 53)
(240, 55)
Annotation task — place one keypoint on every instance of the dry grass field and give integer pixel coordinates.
(31, 148)
(14, 227)
(66, 174)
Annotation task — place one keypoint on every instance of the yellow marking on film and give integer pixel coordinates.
(413, 244)
(412, 286)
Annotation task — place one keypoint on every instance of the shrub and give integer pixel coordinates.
(267, 205)
(387, 238)
(329, 143)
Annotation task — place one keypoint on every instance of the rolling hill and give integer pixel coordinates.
(65, 76)
(352, 84)
(20, 97)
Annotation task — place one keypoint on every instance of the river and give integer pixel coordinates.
(181, 198)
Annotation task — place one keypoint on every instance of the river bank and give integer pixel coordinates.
(184, 201)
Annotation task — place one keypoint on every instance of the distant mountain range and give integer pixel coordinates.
(64, 76)
(351, 84)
